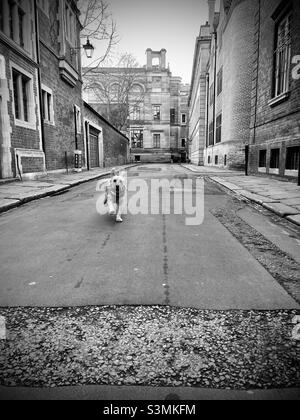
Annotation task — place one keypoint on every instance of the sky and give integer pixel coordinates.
(156, 24)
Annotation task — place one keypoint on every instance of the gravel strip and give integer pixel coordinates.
(279, 264)
(143, 345)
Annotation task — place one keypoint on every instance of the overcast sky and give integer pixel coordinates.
(170, 24)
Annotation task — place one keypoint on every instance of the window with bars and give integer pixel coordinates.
(137, 139)
(156, 141)
(21, 90)
(219, 128)
(282, 56)
(292, 158)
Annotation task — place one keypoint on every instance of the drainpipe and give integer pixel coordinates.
(215, 82)
(207, 109)
(87, 135)
(257, 72)
(38, 57)
(75, 122)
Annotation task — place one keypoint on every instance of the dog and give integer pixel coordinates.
(114, 194)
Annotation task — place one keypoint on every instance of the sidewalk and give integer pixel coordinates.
(280, 197)
(14, 194)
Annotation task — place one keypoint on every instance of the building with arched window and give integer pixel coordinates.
(147, 103)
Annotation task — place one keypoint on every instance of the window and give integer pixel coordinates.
(211, 94)
(209, 160)
(262, 158)
(70, 25)
(275, 155)
(156, 141)
(220, 82)
(282, 56)
(219, 129)
(172, 115)
(211, 134)
(292, 158)
(16, 22)
(21, 90)
(156, 112)
(47, 106)
(216, 160)
(183, 142)
(136, 113)
(225, 160)
(183, 118)
(137, 139)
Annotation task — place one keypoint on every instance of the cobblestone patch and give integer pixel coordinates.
(156, 346)
(279, 264)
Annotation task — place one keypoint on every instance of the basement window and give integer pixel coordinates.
(262, 159)
(216, 160)
(275, 156)
(292, 158)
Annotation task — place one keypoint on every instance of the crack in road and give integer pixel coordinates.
(165, 263)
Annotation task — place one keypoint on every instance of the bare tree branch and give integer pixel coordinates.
(118, 90)
(98, 25)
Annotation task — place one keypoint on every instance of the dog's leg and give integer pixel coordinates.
(118, 217)
(111, 207)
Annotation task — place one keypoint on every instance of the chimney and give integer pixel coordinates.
(211, 13)
(149, 58)
(163, 58)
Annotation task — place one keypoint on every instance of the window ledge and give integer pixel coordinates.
(262, 169)
(278, 99)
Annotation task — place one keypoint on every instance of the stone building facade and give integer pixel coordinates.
(274, 144)
(250, 114)
(157, 109)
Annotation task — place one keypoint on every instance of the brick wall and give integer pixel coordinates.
(22, 137)
(115, 144)
(277, 125)
(59, 136)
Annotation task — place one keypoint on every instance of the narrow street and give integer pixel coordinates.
(89, 301)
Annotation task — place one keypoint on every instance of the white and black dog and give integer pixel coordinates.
(114, 194)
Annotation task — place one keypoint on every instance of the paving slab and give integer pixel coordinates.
(281, 209)
(291, 201)
(259, 199)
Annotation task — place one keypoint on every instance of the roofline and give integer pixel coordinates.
(88, 106)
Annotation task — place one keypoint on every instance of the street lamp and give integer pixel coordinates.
(88, 48)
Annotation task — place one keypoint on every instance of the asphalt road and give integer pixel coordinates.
(59, 251)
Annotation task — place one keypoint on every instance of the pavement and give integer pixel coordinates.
(147, 393)
(13, 194)
(278, 196)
